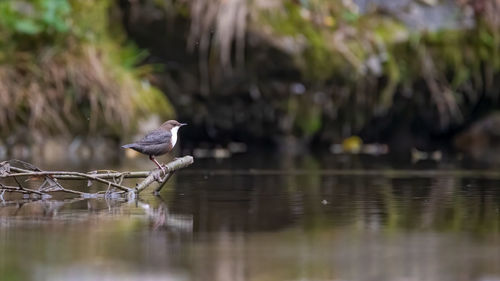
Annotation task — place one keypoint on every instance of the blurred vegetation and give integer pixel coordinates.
(310, 70)
(64, 69)
(361, 70)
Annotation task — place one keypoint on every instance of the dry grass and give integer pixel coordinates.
(226, 20)
(66, 93)
(76, 80)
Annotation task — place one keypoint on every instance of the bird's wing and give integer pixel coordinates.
(156, 137)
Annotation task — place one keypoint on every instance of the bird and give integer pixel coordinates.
(158, 142)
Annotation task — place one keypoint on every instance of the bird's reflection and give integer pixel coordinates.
(161, 218)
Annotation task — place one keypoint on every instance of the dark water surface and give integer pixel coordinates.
(266, 218)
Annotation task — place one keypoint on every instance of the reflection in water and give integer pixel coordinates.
(263, 227)
(160, 217)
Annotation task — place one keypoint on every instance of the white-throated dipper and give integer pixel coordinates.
(158, 142)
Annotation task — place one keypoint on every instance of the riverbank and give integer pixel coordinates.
(409, 74)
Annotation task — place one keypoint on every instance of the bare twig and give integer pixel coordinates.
(57, 174)
(20, 190)
(66, 175)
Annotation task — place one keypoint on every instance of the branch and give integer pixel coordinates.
(21, 190)
(65, 175)
(107, 177)
(163, 182)
(170, 168)
(76, 175)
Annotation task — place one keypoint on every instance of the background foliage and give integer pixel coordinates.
(237, 70)
(66, 70)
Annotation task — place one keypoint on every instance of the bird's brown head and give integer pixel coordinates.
(170, 124)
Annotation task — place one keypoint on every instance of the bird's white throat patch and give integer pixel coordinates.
(173, 140)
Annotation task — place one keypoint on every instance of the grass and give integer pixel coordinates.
(63, 72)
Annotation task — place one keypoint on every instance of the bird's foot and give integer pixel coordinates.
(163, 169)
(157, 177)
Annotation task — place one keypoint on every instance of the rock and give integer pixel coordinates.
(482, 139)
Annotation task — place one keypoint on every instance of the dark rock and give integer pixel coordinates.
(482, 139)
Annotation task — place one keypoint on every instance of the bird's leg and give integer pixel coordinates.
(152, 158)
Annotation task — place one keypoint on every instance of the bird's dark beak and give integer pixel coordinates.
(183, 124)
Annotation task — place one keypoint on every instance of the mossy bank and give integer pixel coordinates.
(321, 71)
(66, 69)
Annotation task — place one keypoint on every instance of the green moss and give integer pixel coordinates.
(149, 99)
(386, 30)
(317, 59)
(309, 121)
(456, 55)
(393, 78)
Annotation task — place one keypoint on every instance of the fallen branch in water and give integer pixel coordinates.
(170, 168)
(113, 180)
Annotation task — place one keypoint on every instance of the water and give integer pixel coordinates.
(262, 217)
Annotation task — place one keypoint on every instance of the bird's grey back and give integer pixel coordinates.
(155, 143)
(157, 136)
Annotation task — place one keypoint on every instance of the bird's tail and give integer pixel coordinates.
(130, 145)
